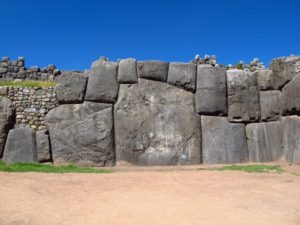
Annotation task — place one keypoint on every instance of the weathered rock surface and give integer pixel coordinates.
(284, 69)
(183, 75)
(20, 146)
(71, 87)
(127, 71)
(82, 134)
(267, 80)
(210, 97)
(270, 105)
(243, 98)
(155, 124)
(264, 141)
(6, 115)
(153, 70)
(223, 142)
(291, 97)
(102, 84)
(291, 138)
(43, 146)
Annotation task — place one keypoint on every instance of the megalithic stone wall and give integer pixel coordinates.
(154, 113)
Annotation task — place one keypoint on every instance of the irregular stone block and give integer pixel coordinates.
(155, 124)
(127, 71)
(153, 70)
(223, 142)
(71, 87)
(20, 146)
(43, 146)
(291, 138)
(6, 120)
(243, 98)
(3, 91)
(270, 105)
(264, 141)
(266, 80)
(210, 97)
(291, 97)
(284, 69)
(102, 84)
(82, 134)
(183, 75)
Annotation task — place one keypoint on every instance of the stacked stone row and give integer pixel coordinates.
(15, 69)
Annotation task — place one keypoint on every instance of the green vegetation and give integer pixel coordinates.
(249, 168)
(28, 83)
(36, 167)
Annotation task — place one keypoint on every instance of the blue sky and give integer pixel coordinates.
(73, 33)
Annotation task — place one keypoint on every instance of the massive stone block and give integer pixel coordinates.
(270, 105)
(243, 98)
(291, 138)
(82, 134)
(210, 97)
(183, 75)
(102, 84)
(291, 97)
(20, 146)
(155, 124)
(153, 70)
(6, 117)
(43, 146)
(223, 142)
(71, 87)
(264, 141)
(127, 71)
(268, 80)
(285, 69)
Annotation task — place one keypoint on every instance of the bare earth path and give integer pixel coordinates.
(151, 196)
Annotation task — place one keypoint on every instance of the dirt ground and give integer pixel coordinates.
(151, 195)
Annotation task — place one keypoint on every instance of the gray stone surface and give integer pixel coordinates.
(155, 124)
(223, 142)
(6, 117)
(153, 70)
(102, 83)
(183, 75)
(82, 134)
(291, 138)
(211, 94)
(127, 71)
(264, 141)
(20, 146)
(243, 97)
(43, 146)
(71, 87)
(285, 69)
(291, 97)
(270, 105)
(3, 91)
(266, 80)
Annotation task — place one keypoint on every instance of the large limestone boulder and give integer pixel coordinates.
(127, 71)
(82, 134)
(6, 117)
(71, 87)
(270, 105)
(20, 146)
(223, 142)
(264, 141)
(291, 138)
(153, 70)
(102, 84)
(155, 124)
(43, 146)
(210, 97)
(243, 98)
(183, 75)
(291, 97)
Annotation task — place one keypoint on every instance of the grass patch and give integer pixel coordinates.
(249, 168)
(37, 167)
(28, 83)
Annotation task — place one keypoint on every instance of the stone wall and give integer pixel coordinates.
(159, 113)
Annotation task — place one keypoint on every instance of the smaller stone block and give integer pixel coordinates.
(127, 71)
(270, 105)
(291, 97)
(153, 70)
(43, 146)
